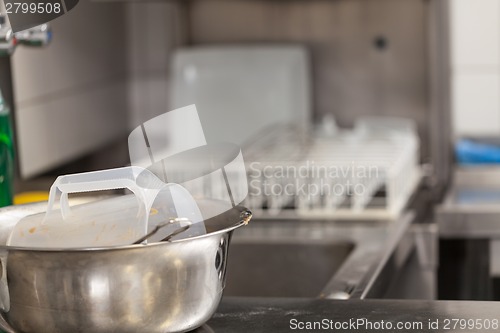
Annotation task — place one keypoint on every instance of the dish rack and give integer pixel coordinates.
(368, 172)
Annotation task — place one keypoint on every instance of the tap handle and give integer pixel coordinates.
(7, 39)
(40, 35)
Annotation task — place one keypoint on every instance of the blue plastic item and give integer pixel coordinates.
(471, 152)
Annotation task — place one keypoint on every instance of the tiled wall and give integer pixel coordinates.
(368, 57)
(352, 75)
(105, 72)
(154, 29)
(475, 60)
(71, 97)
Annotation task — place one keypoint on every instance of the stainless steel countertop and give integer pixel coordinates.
(471, 208)
(274, 315)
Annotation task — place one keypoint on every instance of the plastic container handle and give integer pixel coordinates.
(105, 180)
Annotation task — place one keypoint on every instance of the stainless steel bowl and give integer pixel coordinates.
(162, 287)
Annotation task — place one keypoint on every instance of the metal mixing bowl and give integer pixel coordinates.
(162, 287)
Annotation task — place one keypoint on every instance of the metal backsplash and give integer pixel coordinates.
(369, 57)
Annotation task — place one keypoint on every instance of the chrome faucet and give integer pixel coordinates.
(7, 39)
(37, 36)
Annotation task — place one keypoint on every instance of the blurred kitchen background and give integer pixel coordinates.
(114, 64)
(109, 66)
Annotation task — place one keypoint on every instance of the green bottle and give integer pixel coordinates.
(6, 155)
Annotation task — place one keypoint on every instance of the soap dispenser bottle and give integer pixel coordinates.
(6, 155)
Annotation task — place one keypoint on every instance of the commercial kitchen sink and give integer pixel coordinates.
(283, 269)
(324, 259)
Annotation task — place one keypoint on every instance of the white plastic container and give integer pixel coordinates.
(109, 222)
